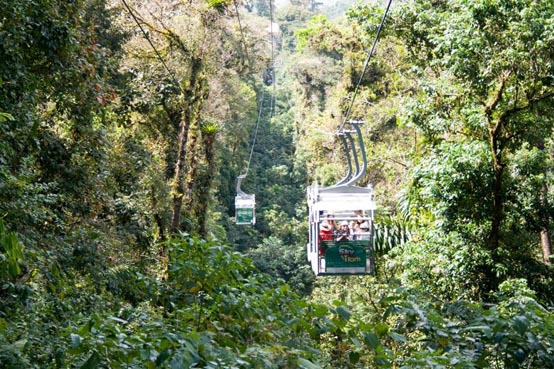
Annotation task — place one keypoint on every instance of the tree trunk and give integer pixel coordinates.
(191, 181)
(545, 242)
(497, 209)
(545, 221)
(497, 215)
(178, 179)
(497, 195)
(204, 195)
(194, 94)
(544, 217)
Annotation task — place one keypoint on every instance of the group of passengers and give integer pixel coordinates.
(357, 229)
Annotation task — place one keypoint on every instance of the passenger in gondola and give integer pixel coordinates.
(344, 233)
(331, 221)
(326, 233)
(363, 232)
(359, 218)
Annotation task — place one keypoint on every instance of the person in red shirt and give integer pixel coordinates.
(326, 232)
(331, 221)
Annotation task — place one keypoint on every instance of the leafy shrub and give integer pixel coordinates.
(408, 328)
(11, 255)
(216, 310)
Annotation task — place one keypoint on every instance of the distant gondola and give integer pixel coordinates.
(245, 205)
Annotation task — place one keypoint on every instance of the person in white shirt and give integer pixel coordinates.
(363, 232)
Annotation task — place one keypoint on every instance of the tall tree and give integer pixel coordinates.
(485, 76)
(56, 79)
(231, 55)
(195, 94)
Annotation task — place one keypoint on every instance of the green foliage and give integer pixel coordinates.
(11, 255)
(217, 311)
(287, 262)
(389, 234)
(5, 116)
(402, 327)
(264, 8)
(452, 186)
(452, 192)
(444, 265)
(330, 39)
(89, 146)
(218, 4)
(311, 29)
(290, 19)
(482, 103)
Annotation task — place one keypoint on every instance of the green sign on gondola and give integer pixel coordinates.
(245, 215)
(348, 257)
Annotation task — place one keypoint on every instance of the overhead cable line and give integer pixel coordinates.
(255, 132)
(261, 103)
(171, 74)
(366, 63)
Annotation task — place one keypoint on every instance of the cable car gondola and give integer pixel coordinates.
(245, 205)
(336, 249)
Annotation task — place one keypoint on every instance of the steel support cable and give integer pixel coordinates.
(366, 63)
(171, 74)
(348, 174)
(260, 109)
(359, 174)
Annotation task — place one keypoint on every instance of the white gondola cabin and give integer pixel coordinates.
(245, 206)
(245, 209)
(336, 249)
(341, 217)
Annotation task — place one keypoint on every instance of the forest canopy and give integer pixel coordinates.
(125, 125)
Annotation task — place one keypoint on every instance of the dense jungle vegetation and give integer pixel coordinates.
(124, 125)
